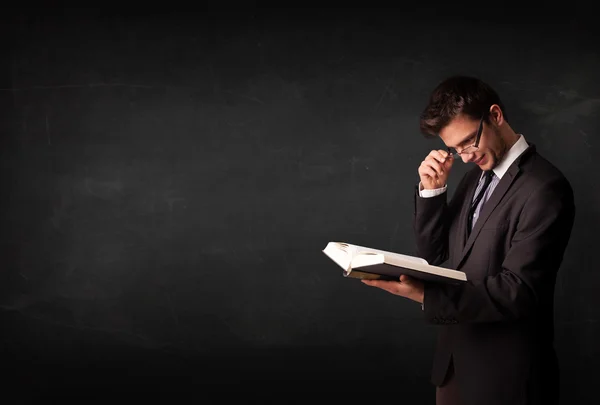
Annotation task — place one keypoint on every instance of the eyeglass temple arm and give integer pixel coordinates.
(479, 131)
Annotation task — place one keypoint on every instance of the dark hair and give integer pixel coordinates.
(454, 96)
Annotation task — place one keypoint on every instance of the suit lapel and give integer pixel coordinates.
(487, 209)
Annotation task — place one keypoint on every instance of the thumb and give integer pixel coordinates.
(448, 162)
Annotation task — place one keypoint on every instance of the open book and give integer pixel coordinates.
(367, 263)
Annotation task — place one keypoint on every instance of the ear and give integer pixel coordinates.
(496, 116)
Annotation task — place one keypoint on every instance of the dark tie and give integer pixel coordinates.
(487, 179)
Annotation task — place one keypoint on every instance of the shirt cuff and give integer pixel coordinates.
(426, 193)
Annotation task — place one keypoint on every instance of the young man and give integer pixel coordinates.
(507, 227)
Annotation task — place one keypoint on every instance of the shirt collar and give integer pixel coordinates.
(513, 153)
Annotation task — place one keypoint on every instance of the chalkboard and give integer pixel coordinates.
(170, 179)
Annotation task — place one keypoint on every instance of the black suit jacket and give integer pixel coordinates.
(498, 328)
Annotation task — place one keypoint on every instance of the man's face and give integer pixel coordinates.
(461, 132)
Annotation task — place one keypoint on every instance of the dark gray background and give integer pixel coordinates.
(170, 179)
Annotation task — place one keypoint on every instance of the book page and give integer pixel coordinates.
(340, 254)
(400, 257)
(396, 260)
(367, 259)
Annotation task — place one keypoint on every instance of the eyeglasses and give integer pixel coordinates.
(471, 148)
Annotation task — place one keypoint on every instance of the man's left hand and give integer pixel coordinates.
(407, 287)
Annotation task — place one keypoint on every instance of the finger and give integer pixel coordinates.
(447, 164)
(429, 172)
(435, 165)
(390, 286)
(448, 159)
(426, 170)
(376, 283)
(443, 156)
(439, 155)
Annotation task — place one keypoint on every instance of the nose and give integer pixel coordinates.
(467, 157)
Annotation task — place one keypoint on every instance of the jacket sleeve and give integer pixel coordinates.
(430, 227)
(528, 271)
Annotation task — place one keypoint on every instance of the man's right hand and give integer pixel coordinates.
(435, 168)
